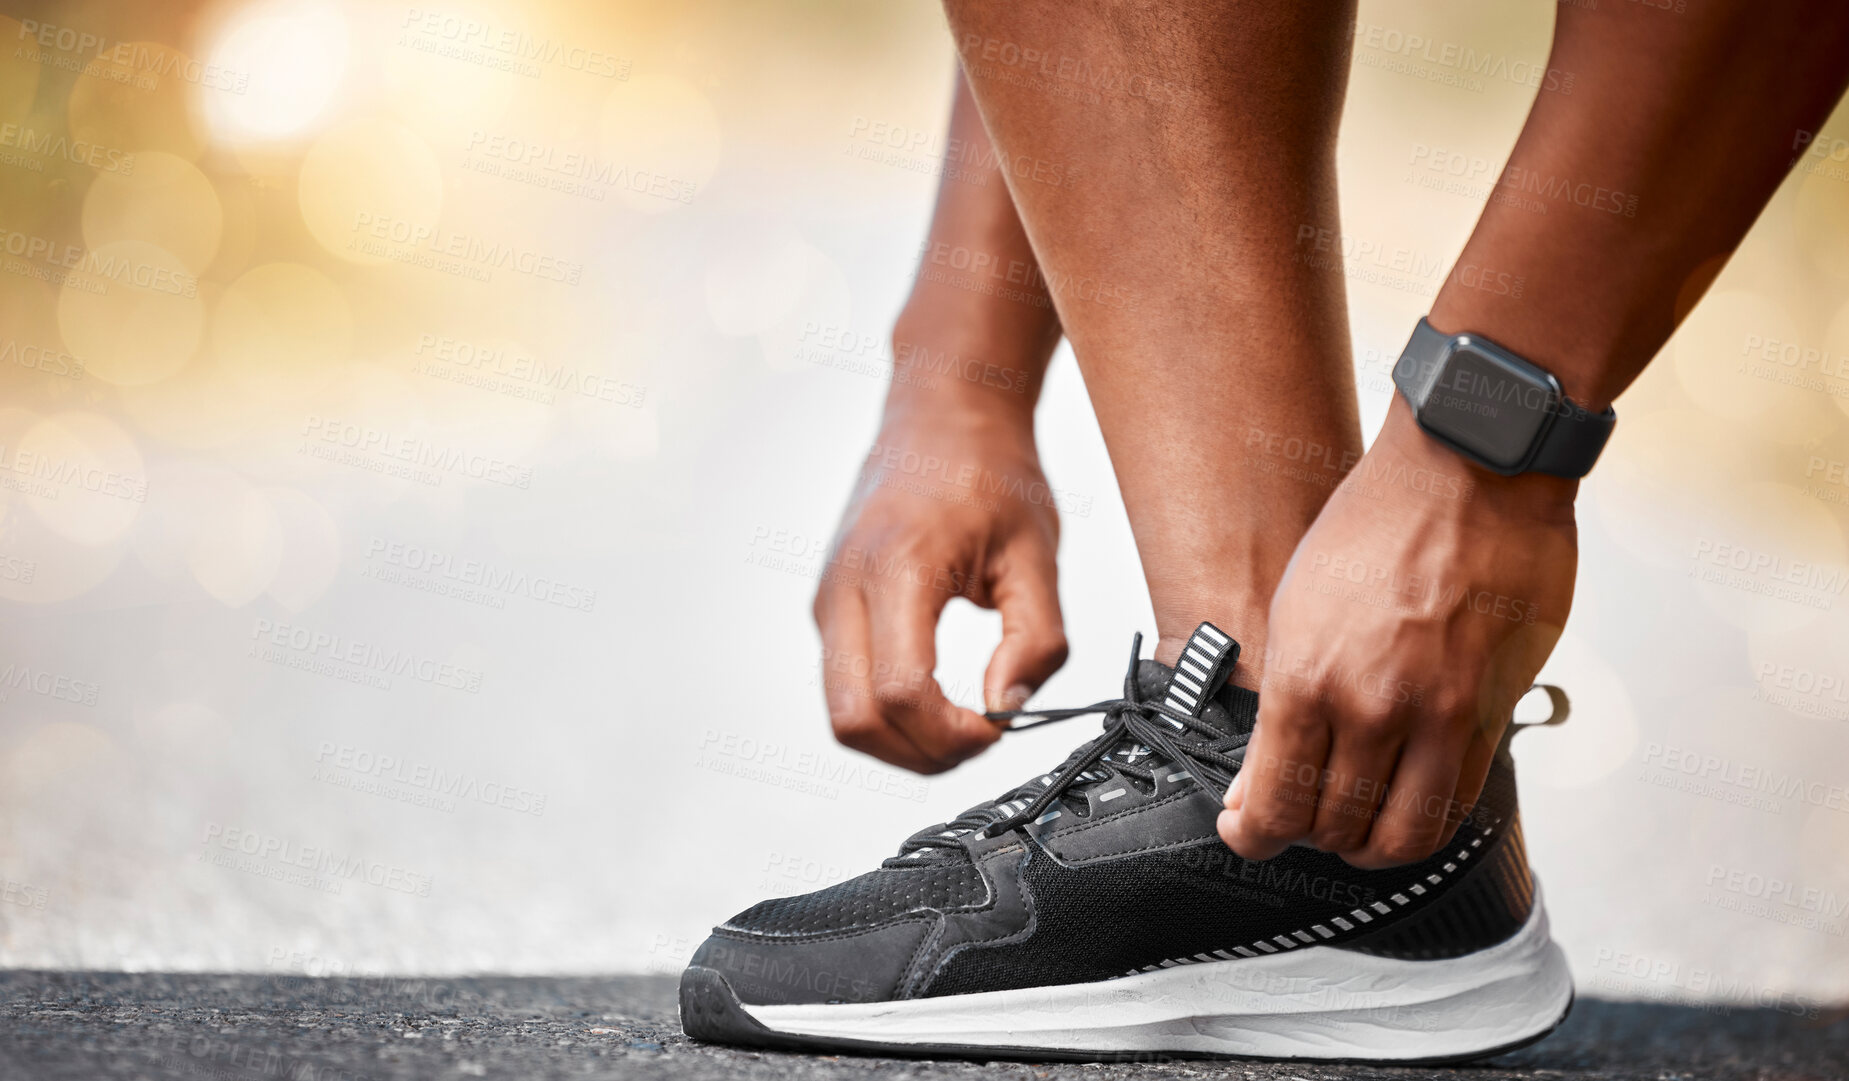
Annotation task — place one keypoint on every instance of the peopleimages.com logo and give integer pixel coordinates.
(813, 772)
(438, 571)
(97, 267)
(411, 781)
(326, 652)
(322, 867)
(405, 455)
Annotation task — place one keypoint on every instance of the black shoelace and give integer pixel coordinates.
(1209, 756)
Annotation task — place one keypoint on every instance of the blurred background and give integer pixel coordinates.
(421, 429)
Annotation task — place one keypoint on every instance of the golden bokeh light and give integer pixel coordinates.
(1736, 356)
(19, 71)
(1820, 220)
(442, 90)
(132, 311)
(166, 201)
(196, 408)
(663, 133)
(371, 189)
(138, 96)
(295, 53)
(1770, 561)
(1828, 368)
(282, 329)
(84, 477)
(31, 343)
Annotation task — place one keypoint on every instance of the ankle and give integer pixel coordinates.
(1246, 625)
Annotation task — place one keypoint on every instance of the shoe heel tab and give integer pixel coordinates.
(1557, 701)
(1557, 715)
(1559, 707)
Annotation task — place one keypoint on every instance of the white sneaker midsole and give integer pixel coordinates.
(1314, 1003)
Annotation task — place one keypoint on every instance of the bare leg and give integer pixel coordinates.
(1199, 138)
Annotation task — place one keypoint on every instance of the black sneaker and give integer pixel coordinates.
(1094, 913)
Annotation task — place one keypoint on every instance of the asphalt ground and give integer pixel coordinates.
(94, 1025)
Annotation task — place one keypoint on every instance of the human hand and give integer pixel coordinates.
(1415, 613)
(951, 502)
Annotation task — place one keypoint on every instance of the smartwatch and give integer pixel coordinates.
(1498, 409)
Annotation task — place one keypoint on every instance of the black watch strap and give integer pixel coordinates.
(1571, 440)
(1420, 364)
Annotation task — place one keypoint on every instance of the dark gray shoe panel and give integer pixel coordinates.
(1174, 816)
(893, 959)
(1487, 908)
(858, 966)
(1009, 919)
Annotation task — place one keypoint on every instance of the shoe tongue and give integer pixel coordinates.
(1197, 684)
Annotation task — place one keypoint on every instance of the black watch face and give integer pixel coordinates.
(1490, 402)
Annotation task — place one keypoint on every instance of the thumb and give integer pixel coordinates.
(1026, 592)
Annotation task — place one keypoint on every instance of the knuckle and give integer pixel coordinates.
(1373, 718)
(1456, 705)
(1335, 837)
(827, 595)
(897, 694)
(1052, 648)
(1295, 718)
(857, 727)
(975, 738)
(930, 760)
(1399, 848)
(972, 728)
(1271, 791)
(1341, 826)
(1275, 823)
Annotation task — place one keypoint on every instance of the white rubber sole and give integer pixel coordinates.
(1312, 1003)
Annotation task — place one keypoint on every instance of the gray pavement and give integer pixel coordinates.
(87, 1025)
